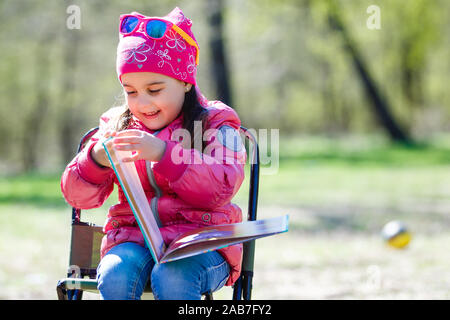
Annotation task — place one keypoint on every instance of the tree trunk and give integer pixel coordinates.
(67, 117)
(219, 65)
(380, 104)
(35, 118)
(411, 76)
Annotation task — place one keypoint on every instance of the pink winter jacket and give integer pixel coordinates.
(184, 195)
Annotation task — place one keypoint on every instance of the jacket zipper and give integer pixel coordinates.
(158, 192)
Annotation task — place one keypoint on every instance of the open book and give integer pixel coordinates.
(192, 242)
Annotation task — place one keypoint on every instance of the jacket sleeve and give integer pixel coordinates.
(84, 184)
(211, 178)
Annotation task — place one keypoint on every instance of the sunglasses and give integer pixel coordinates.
(155, 29)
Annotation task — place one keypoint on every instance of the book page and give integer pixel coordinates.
(219, 236)
(129, 180)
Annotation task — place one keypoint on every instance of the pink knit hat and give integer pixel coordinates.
(175, 54)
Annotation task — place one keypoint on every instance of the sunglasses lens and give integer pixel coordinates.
(156, 28)
(128, 24)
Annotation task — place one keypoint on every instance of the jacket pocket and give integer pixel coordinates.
(119, 221)
(206, 217)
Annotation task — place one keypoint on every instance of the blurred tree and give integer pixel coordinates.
(219, 61)
(416, 40)
(278, 60)
(379, 102)
(67, 117)
(30, 38)
(34, 119)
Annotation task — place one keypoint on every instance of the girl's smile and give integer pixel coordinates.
(151, 115)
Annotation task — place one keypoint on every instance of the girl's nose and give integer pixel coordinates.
(144, 101)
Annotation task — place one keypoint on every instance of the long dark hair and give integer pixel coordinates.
(192, 111)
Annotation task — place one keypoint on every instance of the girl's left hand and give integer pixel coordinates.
(145, 145)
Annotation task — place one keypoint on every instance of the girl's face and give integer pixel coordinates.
(155, 99)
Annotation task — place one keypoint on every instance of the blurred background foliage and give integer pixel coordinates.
(289, 65)
(364, 134)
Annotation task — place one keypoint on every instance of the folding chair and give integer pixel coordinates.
(86, 240)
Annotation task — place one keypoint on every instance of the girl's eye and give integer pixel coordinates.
(149, 90)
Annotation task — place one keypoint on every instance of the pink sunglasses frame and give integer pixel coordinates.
(169, 24)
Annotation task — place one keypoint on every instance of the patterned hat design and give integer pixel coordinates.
(175, 54)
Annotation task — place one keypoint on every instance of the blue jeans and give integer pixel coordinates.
(126, 268)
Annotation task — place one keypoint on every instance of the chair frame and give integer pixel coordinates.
(72, 287)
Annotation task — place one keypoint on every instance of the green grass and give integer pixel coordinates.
(363, 151)
(338, 194)
(32, 189)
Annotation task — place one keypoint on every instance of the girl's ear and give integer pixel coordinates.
(187, 87)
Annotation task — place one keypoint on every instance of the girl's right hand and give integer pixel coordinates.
(98, 153)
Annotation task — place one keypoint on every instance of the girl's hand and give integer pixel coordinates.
(98, 153)
(145, 145)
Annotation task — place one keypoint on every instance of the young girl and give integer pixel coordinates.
(157, 60)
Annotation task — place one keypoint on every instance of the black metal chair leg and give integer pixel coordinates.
(61, 291)
(247, 287)
(208, 296)
(75, 294)
(237, 289)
